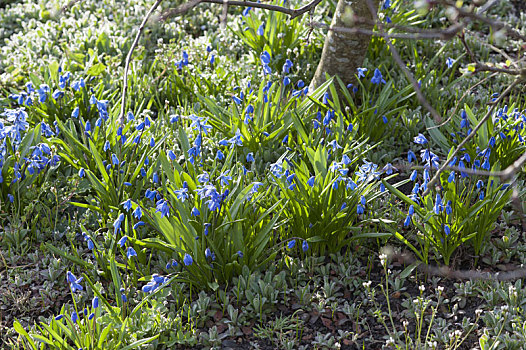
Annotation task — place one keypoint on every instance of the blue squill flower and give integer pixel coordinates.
(138, 224)
(122, 241)
(359, 209)
(287, 66)
(265, 58)
(156, 282)
(361, 72)
(137, 213)
(237, 139)
(187, 260)
(181, 194)
(74, 282)
(127, 204)
(163, 208)
(261, 29)
(130, 253)
(420, 139)
(224, 178)
(114, 159)
(291, 244)
(389, 169)
(75, 113)
(74, 317)
(377, 78)
(449, 210)
(411, 156)
(438, 204)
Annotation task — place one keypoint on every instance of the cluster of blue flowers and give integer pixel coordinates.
(156, 282)
(11, 135)
(74, 315)
(511, 125)
(377, 77)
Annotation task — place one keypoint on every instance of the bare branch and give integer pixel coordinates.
(461, 99)
(130, 53)
(481, 67)
(495, 24)
(504, 175)
(224, 14)
(448, 272)
(436, 177)
(179, 10)
(445, 34)
(293, 13)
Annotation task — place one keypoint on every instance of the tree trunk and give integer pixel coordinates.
(343, 53)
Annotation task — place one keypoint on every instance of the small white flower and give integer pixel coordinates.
(440, 289)
(383, 259)
(432, 344)
(422, 288)
(478, 312)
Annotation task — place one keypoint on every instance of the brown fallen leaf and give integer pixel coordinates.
(221, 327)
(347, 342)
(246, 330)
(307, 337)
(327, 323)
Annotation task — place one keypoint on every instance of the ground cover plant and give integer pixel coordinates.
(219, 199)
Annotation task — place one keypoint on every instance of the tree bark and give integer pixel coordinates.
(343, 53)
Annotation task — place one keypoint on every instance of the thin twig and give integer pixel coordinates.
(224, 14)
(461, 99)
(293, 13)
(129, 58)
(423, 35)
(447, 272)
(471, 134)
(481, 67)
(504, 175)
(468, 49)
(462, 12)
